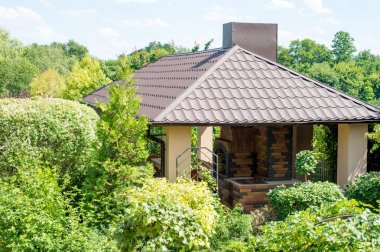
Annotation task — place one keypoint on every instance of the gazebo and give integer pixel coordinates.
(266, 113)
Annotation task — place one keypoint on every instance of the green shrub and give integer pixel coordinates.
(365, 188)
(306, 163)
(58, 132)
(167, 216)
(232, 225)
(299, 232)
(300, 196)
(121, 156)
(35, 216)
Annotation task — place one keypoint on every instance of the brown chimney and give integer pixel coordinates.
(257, 38)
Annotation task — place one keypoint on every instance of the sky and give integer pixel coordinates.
(111, 27)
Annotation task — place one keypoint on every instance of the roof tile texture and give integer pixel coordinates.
(236, 86)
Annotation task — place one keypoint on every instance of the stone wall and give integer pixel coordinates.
(274, 152)
(251, 196)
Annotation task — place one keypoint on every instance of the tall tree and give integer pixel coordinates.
(343, 46)
(48, 84)
(49, 57)
(15, 76)
(85, 77)
(75, 49)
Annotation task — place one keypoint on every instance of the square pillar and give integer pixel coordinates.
(205, 141)
(178, 139)
(352, 152)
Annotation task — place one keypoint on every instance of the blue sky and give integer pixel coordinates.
(111, 27)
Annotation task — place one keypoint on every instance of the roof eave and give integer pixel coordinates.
(246, 124)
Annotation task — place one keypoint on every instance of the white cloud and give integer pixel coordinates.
(329, 21)
(218, 13)
(147, 22)
(316, 7)
(317, 30)
(28, 24)
(80, 12)
(19, 13)
(135, 1)
(45, 3)
(108, 32)
(280, 4)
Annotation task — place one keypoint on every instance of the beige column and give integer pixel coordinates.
(178, 139)
(302, 140)
(205, 141)
(352, 152)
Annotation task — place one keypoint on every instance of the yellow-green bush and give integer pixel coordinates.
(163, 215)
(48, 84)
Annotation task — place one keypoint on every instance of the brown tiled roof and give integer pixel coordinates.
(237, 87)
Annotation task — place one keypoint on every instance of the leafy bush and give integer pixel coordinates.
(365, 188)
(306, 163)
(58, 132)
(300, 196)
(299, 232)
(232, 225)
(48, 84)
(167, 216)
(35, 216)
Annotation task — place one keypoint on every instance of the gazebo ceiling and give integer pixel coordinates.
(235, 86)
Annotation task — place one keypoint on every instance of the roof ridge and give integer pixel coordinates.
(196, 52)
(316, 82)
(195, 84)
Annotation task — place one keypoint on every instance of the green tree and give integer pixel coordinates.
(85, 77)
(306, 52)
(75, 49)
(122, 135)
(15, 76)
(343, 46)
(9, 47)
(121, 158)
(324, 73)
(284, 57)
(48, 84)
(46, 56)
(351, 78)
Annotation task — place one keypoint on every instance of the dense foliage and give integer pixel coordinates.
(85, 77)
(300, 231)
(48, 84)
(301, 196)
(36, 216)
(233, 226)
(306, 163)
(365, 188)
(165, 216)
(60, 133)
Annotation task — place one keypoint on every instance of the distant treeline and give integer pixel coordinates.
(67, 70)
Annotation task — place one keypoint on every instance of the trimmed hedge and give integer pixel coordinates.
(57, 132)
(365, 188)
(301, 196)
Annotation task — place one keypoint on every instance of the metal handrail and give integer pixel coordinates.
(200, 151)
